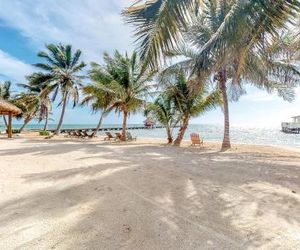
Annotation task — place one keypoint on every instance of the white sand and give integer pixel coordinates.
(80, 194)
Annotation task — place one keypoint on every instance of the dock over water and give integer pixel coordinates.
(117, 128)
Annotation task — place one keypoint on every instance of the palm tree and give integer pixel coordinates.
(190, 98)
(126, 80)
(160, 24)
(227, 32)
(5, 93)
(35, 102)
(164, 111)
(99, 99)
(272, 69)
(60, 73)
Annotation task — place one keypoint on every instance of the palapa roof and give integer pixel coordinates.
(149, 121)
(6, 107)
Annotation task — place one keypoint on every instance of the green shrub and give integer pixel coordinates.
(44, 133)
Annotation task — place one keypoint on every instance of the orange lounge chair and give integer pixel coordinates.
(196, 140)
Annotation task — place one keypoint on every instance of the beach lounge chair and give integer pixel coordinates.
(118, 136)
(73, 134)
(130, 137)
(196, 140)
(69, 134)
(109, 136)
(78, 134)
(86, 135)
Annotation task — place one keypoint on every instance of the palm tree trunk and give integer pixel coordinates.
(226, 140)
(99, 124)
(26, 121)
(125, 115)
(170, 138)
(5, 121)
(46, 120)
(182, 130)
(57, 132)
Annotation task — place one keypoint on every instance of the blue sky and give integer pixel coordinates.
(95, 26)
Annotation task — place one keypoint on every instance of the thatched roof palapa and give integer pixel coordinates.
(6, 108)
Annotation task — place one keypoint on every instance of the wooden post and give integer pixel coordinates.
(9, 132)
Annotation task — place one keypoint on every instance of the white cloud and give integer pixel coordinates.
(93, 26)
(12, 68)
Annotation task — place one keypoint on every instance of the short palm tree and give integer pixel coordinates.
(165, 112)
(126, 79)
(191, 99)
(61, 73)
(5, 93)
(99, 99)
(35, 102)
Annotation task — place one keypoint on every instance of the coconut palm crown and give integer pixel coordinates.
(61, 73)
(127, 79)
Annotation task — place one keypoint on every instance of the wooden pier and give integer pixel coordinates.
(65, 130)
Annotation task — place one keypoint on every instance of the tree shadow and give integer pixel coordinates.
(141, 196)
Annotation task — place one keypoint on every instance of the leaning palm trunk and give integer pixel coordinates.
(125, 115)
(5, 122)
(169, 134)
(57, 132)
(99, 124)
(46, 120)
(226, 141)
(182, 130)
(26, 121)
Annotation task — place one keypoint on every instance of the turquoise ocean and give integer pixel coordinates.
(214, 133)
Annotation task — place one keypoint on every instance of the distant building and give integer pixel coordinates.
(292, 127)
(296, 119)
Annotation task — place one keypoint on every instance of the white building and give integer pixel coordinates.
(296, 119)
(292, 127)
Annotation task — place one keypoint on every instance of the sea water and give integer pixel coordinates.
(214, 133)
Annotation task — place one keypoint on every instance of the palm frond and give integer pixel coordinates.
(159, 25)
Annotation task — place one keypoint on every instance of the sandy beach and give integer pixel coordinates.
(83, 194)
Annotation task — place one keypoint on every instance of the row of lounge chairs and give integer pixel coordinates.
(118, 137)
(79, 134)
(84, 134)
(195, 138)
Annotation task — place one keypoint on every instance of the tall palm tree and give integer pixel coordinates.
(60, 72)
(228, 31)
(165, 112)
(272, 69)
(5, 93)
(126, 79)
(191, 99)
